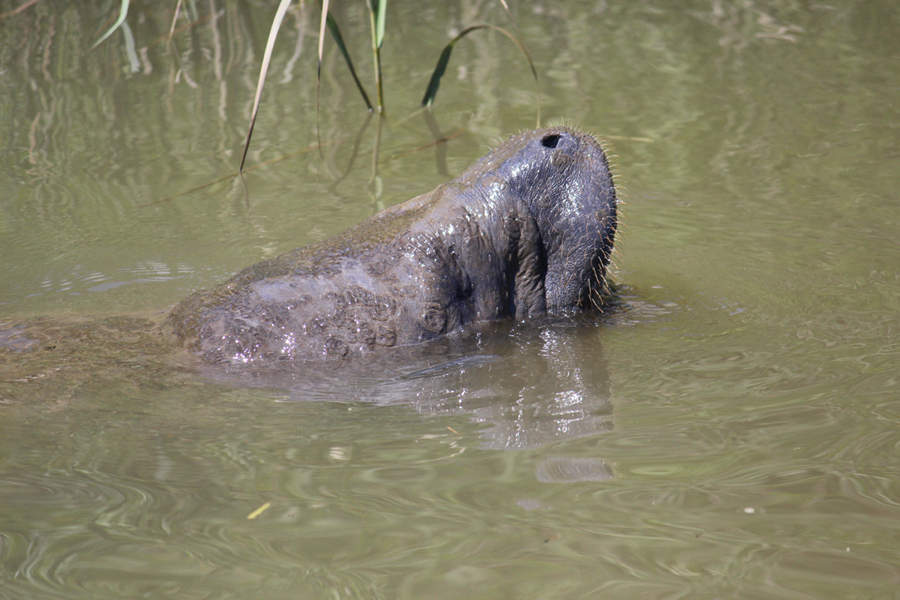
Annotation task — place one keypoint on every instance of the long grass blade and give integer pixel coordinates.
(263, 69)
(380, 14)
(435, 81)
(322, 23)
(374, 7)
(174, 19)
(335, 32)
(123, 12)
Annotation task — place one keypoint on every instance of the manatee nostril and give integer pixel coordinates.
(550, 141)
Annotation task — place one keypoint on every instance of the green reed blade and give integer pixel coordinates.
(436, 75)
(335, 32)
(263, 69)
(322, 22)
(435, 81)
(380, 14)
(123, 12)
(175, 14)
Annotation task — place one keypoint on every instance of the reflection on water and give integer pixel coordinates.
(730, 430)
(549, 385)
(528, 387)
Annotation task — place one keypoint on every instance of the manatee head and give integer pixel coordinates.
(563, 177)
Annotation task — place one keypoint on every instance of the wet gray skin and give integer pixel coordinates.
(526, 231)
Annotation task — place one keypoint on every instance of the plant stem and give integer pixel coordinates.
(376, 56)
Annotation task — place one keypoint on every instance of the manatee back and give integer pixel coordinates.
(346, 295)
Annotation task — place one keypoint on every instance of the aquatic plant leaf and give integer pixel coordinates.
(335, 32)
(175, 14)
(123, 12)
(436, 75)
(322, 23)
(380, 14)
(377, 11)
(321, 52)
(435, 82)
(263, 69)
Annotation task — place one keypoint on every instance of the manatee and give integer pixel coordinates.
(525, 232)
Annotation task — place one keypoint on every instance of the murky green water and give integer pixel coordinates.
(730, 431)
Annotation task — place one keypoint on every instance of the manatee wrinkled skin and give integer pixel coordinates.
(526, 231)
